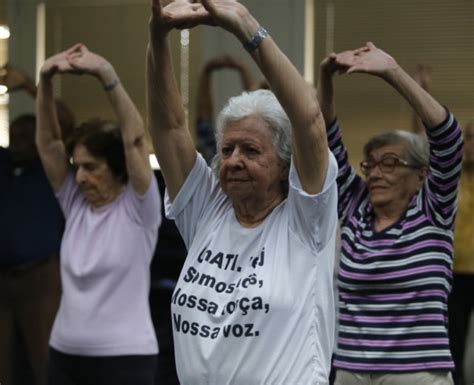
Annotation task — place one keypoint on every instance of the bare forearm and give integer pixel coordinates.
(131, 122)
(326, 97)
(172, 141)
(299, 101)
(164, 102)
(294, 94)
(47, 120)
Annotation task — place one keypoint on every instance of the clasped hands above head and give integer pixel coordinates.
(366, 59)
(183, 14)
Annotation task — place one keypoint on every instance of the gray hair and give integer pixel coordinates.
(262, 103)
(415, 146)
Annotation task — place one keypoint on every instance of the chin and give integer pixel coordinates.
(379, 200)
(237, 194)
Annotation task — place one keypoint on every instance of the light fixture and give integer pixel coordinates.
(154, 162)
(4, 32)
(3, 89)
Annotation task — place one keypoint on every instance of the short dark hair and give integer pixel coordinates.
(27, 121)
(102, 139)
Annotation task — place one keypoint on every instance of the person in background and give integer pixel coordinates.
(16, 79)
(397, 235)
(103, 333)
(254, 302)
(461, 300)
(31, 226)
(206, 144)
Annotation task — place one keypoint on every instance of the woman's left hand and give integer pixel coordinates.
(84, 61)
(233, 17)
(367, 59)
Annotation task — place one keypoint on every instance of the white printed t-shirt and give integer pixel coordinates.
(254, 305)
(105, 272)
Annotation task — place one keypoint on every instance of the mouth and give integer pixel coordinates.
(377, 188)
(237, 179)
(86, 189)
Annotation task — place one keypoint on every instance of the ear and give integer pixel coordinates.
(284, 172)
(422, 175)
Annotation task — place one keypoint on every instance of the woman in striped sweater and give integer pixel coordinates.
(397, 235)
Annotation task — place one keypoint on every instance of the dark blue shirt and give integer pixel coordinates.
(31, 221)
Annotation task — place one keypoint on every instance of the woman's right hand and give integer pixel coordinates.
(329, 65)
(179, 14)
(58, 63)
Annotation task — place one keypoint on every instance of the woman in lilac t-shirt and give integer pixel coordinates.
(103, 333)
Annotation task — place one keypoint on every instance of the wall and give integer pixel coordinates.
(434, 32)
(284, 20)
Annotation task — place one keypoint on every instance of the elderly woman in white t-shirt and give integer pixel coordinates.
(103, 333)
(254, 302)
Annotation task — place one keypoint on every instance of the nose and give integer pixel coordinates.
(80, 176)
(374, 172)
(235, 158)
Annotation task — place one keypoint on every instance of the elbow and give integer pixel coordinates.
(135, 141)
(316, 118)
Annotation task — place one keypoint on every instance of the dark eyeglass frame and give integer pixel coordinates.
(367, 165)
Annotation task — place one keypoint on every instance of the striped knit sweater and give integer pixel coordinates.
(394, 284)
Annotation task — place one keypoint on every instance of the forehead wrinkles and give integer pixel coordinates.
(394, 150)
(248, 136)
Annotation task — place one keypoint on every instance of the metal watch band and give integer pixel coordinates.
(256, 40)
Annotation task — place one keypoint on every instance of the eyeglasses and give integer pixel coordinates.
(386, 164)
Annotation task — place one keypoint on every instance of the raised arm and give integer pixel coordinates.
(172, 141)
(298, 99)
(374, 61)
(49, 140)
(131, 124)
(325, 90)
(15, 79)
(326, 95)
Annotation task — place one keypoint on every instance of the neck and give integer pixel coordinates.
(109, 198)
(387, 215)
(251, 214)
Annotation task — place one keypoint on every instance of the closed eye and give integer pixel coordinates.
(226, 151)
(251, 151)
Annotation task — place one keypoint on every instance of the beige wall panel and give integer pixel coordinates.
(119, 32)
(284, 20)
(3, 11)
